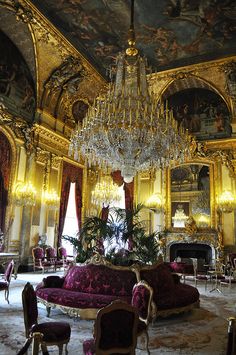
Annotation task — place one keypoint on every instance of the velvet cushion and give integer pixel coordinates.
(160, 279)
(53, 331)
(62, 252)
(182, 295)
(38, 253)
(140, 300)
(53, 281)
(89, 347)
(30, 307)
(51, 253)
(116, 329)
(3, 285)
(77, 299)
(100, 279)
(9, 270)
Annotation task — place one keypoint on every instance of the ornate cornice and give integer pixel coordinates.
(51, 141)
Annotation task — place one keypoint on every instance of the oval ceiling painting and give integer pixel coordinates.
(16, 84)
(202, 112)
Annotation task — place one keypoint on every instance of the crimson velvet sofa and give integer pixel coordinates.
(89, 287)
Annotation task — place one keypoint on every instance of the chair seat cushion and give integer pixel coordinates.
(77, 299)
(89, 347)
(53, 331)
(182, 296)
(3, 285)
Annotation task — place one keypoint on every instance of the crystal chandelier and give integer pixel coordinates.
(25, 194)
(105, 193)
(128, 129)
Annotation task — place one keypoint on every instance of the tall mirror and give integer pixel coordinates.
(190, 196)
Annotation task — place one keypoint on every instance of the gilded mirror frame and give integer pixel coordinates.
(213, 177)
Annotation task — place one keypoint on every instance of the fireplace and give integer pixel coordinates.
(201, 247)
(189, 251)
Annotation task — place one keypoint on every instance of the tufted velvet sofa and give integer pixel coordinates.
(88, 287)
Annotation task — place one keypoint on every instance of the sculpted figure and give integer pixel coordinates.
(190, 225)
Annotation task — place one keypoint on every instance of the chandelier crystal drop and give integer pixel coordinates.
(128, 129)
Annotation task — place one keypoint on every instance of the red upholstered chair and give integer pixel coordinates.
(51, 256)
(115, 331)
(142, 298)
(231, 344)
(44, 334)
(5, 283)
(62, 255)
(40, 261)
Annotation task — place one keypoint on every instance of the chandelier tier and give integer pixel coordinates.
(128, 129)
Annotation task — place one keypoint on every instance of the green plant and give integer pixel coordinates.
(122, 226)
(82, 253)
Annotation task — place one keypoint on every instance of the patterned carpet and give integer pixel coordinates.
(202, 331)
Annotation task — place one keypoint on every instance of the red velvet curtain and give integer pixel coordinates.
(129, 196)
(70, 174)
(5, 169)
(128, 189)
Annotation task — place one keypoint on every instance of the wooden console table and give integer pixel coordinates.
(5, 257)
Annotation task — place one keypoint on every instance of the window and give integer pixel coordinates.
(71, 221)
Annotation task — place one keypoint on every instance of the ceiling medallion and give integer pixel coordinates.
(128, 129)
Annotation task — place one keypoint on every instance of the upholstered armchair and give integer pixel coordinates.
(64, 257)
(115, 331)
(142, 300)
(51, 256)
(5, 283)
(40, 261)
(44, 334)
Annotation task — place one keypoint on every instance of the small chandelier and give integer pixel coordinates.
(128, 129)
(51, 199)
(25, 194)
(105, 193)
(155, 203)
(226, 202)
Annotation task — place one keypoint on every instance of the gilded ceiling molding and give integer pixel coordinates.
(50, 141)
(201, 150)
(19, 127)
(44, 156)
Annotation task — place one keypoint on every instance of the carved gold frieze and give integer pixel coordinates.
(51, 140)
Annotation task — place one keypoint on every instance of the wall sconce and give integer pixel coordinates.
(155, 203)
(25, 194)
(226, 202)
(51, 199)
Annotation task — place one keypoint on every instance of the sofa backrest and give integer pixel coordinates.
(159, 278)
(100, 279)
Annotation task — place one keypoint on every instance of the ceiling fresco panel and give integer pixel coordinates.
(171, 33)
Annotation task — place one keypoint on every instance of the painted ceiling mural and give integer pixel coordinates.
(170, 33)
(17, 91)
(202, 112)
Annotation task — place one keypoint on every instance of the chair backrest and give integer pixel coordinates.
(232, 259)
(231, 344)
(51, 253)
(30, 308)
(142, 298)
(38, 253)
(116, 329)
(9, 271)
(62, 252)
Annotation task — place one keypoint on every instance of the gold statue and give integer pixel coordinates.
(190, 225)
